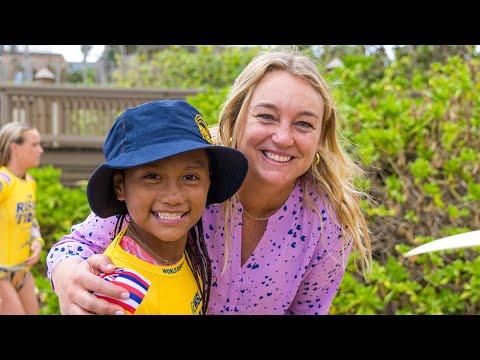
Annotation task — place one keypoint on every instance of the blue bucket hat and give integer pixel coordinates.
(154, 131)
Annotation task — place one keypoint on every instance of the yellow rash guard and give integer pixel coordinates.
(17, 216)
(158, 290)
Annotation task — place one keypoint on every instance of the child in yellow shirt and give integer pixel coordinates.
(162, 169)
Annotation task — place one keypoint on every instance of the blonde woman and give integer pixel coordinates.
(281, 244)
(20, 239)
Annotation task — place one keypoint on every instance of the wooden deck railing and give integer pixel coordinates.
(74, 121)
(76, 117)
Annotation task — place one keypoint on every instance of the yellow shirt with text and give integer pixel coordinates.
(173, 289)
(17, 215)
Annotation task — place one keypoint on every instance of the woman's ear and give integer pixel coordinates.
(118, 185)
(13, 148)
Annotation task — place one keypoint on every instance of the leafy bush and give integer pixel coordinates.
(419, 136)
(176, 67)
(58, 208)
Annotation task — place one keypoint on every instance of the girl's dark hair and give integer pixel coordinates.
(197, 258)
(199, 262)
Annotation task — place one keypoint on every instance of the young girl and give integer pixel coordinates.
(20, 239)
(162, 169)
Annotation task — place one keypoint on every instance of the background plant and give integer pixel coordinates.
(58, 208)
(414, 125)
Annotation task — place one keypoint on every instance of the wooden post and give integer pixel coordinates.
(4, 107)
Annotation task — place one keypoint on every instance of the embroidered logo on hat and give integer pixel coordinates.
(203, 127)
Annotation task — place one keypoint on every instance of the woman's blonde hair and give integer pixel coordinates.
(10, 133)
(334, 172)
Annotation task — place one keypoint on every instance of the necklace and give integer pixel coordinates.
(254, 217)
(138, 239)
(267, 217)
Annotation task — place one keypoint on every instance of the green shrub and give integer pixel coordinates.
(58, 208)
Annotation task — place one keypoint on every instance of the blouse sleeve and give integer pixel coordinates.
(323, 276)
(87, 238)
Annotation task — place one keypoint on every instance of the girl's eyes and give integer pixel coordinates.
(189, 177)
(152, 176)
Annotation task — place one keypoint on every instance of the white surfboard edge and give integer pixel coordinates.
(468, 239)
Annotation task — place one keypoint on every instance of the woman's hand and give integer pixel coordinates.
(74, 281)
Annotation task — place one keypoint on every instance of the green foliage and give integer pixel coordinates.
(48, 299)
(177, 67)
(425, 284)
(419, 133)
(395, 188)
(76, 77)
(210, 103)
(420, 169)
(58, 208)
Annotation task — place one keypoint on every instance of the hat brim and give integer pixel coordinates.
(228, 171)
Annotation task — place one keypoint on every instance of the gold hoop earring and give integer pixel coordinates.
(317, 160)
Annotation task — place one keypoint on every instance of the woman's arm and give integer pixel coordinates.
(86, 239)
